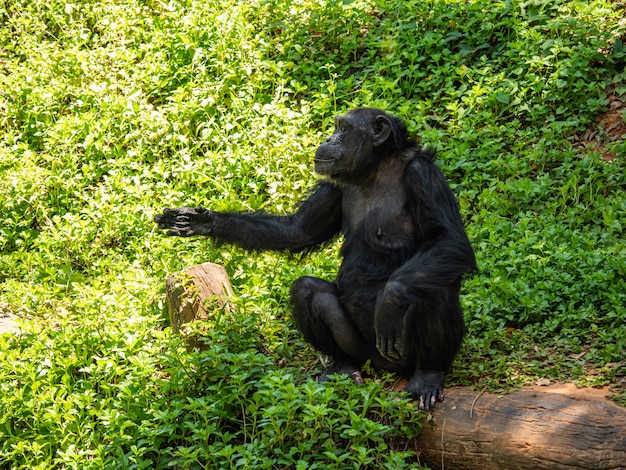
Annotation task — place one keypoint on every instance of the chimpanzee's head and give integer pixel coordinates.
(361, 139)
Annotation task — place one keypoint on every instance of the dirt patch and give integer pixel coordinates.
(609, 127)
(572, 390)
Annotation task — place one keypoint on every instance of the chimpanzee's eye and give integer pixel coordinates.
(340, 125)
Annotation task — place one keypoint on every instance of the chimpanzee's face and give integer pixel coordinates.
(350, 149)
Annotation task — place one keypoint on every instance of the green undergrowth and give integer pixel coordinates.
(111, 110)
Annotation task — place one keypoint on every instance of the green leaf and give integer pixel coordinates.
(503, 97)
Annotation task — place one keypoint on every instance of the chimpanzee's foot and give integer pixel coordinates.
(343, 368)
(427, 386)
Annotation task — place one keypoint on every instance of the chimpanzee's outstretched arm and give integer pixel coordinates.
(318, 219)
(444, 254)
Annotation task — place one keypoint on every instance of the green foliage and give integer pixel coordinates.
(111, 110)
(108, 397)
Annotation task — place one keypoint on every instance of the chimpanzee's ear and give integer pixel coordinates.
(382, 130)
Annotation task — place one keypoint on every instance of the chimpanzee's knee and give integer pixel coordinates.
(303, 292)
(313, 302)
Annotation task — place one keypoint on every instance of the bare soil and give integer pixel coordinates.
(609, 127)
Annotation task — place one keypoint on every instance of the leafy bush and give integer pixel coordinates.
(110, 111)
(108, 397)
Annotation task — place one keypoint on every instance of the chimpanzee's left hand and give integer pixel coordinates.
(389, 326)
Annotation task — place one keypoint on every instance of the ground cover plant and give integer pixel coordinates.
(110, 111)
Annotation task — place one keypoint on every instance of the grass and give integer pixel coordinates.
(111, 110)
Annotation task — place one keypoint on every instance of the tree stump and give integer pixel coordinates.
(554, 427)
(198, 293)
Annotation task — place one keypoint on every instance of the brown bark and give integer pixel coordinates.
(555, 427)
(198, 293)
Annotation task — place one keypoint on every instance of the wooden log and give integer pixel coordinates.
(198, 293)
(555, 427)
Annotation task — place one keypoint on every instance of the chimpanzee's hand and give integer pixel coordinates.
(186, 221)
(389, 326)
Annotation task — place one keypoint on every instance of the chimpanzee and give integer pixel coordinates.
(395, 301)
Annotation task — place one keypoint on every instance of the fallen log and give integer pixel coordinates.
(196, 293)
(555, 427)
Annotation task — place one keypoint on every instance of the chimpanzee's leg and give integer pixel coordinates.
(326, 325)
(438, 330)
